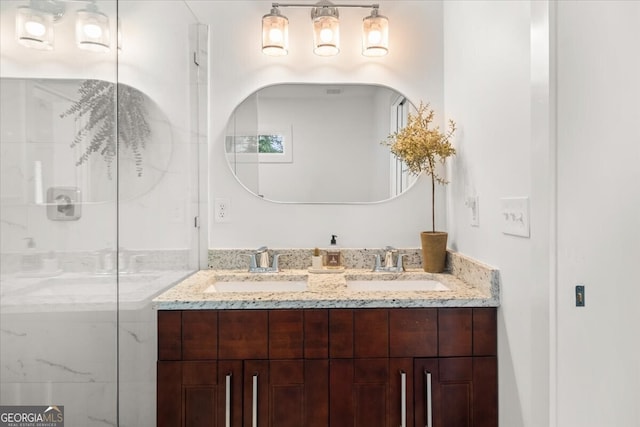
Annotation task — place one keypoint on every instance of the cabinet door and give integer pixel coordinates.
(200, 391)
(456, 392)
(371, 392)
(199, 394)
(169, 394)
(286, 393)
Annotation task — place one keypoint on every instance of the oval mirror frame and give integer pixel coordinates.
(318, 143)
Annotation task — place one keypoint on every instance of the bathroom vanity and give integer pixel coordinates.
(328, 354)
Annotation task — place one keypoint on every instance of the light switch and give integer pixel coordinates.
(514, 215)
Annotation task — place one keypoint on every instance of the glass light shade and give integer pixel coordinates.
(92, 31)
(375, 35)
(326, 35)
(34, 28)
(275, 34)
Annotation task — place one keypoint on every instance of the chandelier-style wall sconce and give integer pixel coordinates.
(326, 30)
(35, 25)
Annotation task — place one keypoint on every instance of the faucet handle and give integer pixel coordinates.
(252, 261)
(400, 263)
(377, 265)
(274, 265)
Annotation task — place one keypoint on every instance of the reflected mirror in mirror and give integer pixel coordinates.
(63, 132)
(318, 143)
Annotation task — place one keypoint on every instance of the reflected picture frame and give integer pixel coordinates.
(265, 146)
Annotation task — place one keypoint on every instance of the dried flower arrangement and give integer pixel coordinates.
(422, 146)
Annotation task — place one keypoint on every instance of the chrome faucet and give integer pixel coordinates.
(259, 261)
(389, 266)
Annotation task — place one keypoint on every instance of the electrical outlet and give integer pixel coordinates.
(222, 210)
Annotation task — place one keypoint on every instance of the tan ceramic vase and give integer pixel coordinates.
(434, 251)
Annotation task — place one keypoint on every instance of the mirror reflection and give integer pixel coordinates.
(318, 143)
(62, 133)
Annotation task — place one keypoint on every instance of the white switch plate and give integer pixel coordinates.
(514, 215)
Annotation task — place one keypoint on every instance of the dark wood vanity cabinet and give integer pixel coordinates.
(328, 367)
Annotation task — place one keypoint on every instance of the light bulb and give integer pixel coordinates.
(375, 36)
(326, 35)
(35, 28)
(275, 35)
(92, 30)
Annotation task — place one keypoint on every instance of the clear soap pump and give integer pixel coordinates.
(333, 254)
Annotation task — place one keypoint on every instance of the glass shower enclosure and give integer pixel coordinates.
(101, 124)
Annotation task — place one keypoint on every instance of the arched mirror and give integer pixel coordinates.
(318, 143)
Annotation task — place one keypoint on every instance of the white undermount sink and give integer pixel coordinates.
(398, 285)
(261, 286)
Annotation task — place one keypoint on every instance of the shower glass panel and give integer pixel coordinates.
(158, 182)
(98, 197)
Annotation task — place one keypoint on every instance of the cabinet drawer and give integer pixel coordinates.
(371, 333)
(199, 335)
(169, 335)
(413, 332)
(485, 332)
(243, 334)
(455, 332)
(286, 334)
(316, 334)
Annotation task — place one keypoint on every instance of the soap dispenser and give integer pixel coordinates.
(31, 260)
(333, 254)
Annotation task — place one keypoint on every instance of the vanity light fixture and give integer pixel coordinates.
(92, 29)
(275, 33)
(375, 34)
(35, 29)
(326, 30)
(34, 23)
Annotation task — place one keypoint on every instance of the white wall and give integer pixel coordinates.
(559, 365)
(413, 67)
(599, 212)
(488, 92)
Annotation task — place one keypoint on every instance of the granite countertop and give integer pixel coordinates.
(471, 284)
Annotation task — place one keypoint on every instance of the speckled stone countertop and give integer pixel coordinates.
(470, 283)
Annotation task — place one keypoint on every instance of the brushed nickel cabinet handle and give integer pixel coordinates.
(227, 401)
(254, 402)
(428, 399)
(403, 399)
